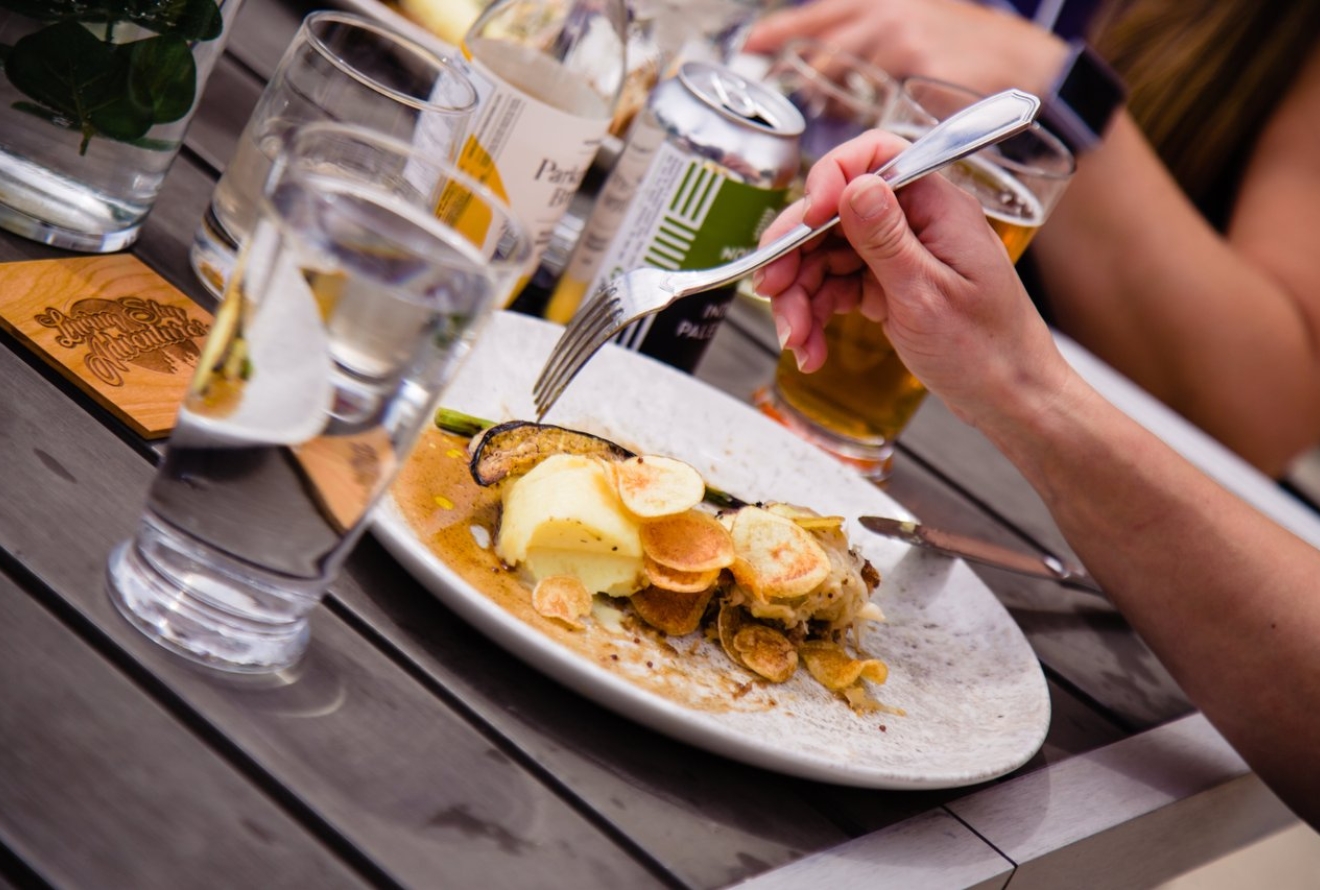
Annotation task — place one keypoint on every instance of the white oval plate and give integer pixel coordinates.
(975, 699)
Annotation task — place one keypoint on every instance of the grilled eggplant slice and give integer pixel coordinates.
(513, 448)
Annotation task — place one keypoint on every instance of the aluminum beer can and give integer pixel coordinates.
(706, 168)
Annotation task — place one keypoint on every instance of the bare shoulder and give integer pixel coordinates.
(1278, 207)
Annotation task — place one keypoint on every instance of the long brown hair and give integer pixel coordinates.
(1203, 76)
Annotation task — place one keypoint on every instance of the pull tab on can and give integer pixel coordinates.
(737, 98)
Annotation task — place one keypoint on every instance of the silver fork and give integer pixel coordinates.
(645, 291)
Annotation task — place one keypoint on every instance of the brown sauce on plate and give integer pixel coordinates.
(457, 520)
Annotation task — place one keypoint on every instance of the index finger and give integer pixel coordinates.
(825, 183)
(840, 166)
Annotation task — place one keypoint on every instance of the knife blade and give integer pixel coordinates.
(984, 552)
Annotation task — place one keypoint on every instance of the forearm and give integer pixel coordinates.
(1229, 601)
(1134, 273)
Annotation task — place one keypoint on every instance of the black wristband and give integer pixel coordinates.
(1084, 99)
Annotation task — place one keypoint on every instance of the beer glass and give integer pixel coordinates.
(348, 311)
(840, 96)
(857, 403)
(339, 67)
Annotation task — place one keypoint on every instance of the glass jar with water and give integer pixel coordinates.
(95, 96)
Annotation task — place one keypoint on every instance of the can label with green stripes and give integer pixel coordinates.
(706, 168)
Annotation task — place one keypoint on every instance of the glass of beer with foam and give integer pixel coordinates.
(857, 403)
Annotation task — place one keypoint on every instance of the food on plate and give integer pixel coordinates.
(653, 487)
(776, 585)
(515, 447)
(564, 598)
(564, 517)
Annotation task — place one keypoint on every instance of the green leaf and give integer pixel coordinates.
(162, 76)
(65, 68)
(190, 19)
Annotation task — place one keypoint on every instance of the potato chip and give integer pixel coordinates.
(806, 517)
(728, 622)
(691, 541)
(658, 486)
(674, 612)
(776, 558)
(667, 578)
(767, 652)
(836, 670)
(820, 523)
(562, 598)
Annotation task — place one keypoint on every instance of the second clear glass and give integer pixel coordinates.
(339, 67)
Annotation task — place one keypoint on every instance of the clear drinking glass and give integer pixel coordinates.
(857, 403)
(339, 67)
(349, 308)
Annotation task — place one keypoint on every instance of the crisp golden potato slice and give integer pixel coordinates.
(806, 518)
(563, 598)
(728, 622)
(836, 670)
(820, 523)
(653, 486)
(691, 541)
(667, 578)
(767, 652)
(676, 613)
(776, 558)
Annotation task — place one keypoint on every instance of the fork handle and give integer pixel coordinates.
(980, 124)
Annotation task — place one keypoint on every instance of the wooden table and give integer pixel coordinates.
(409, 751)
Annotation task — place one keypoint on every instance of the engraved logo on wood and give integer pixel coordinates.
(124, 331)
(113, 327)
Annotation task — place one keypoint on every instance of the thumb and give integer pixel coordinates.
(878, 230)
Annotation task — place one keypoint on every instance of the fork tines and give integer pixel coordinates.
(593, 325)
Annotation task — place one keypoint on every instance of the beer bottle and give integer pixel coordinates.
(548, 74)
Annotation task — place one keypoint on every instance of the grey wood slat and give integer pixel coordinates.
(1133, 814)
(100, 787)
(707, 820)
(386, 765)
(222, 112)
(932, 851)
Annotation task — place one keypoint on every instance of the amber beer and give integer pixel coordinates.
(858, 402)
